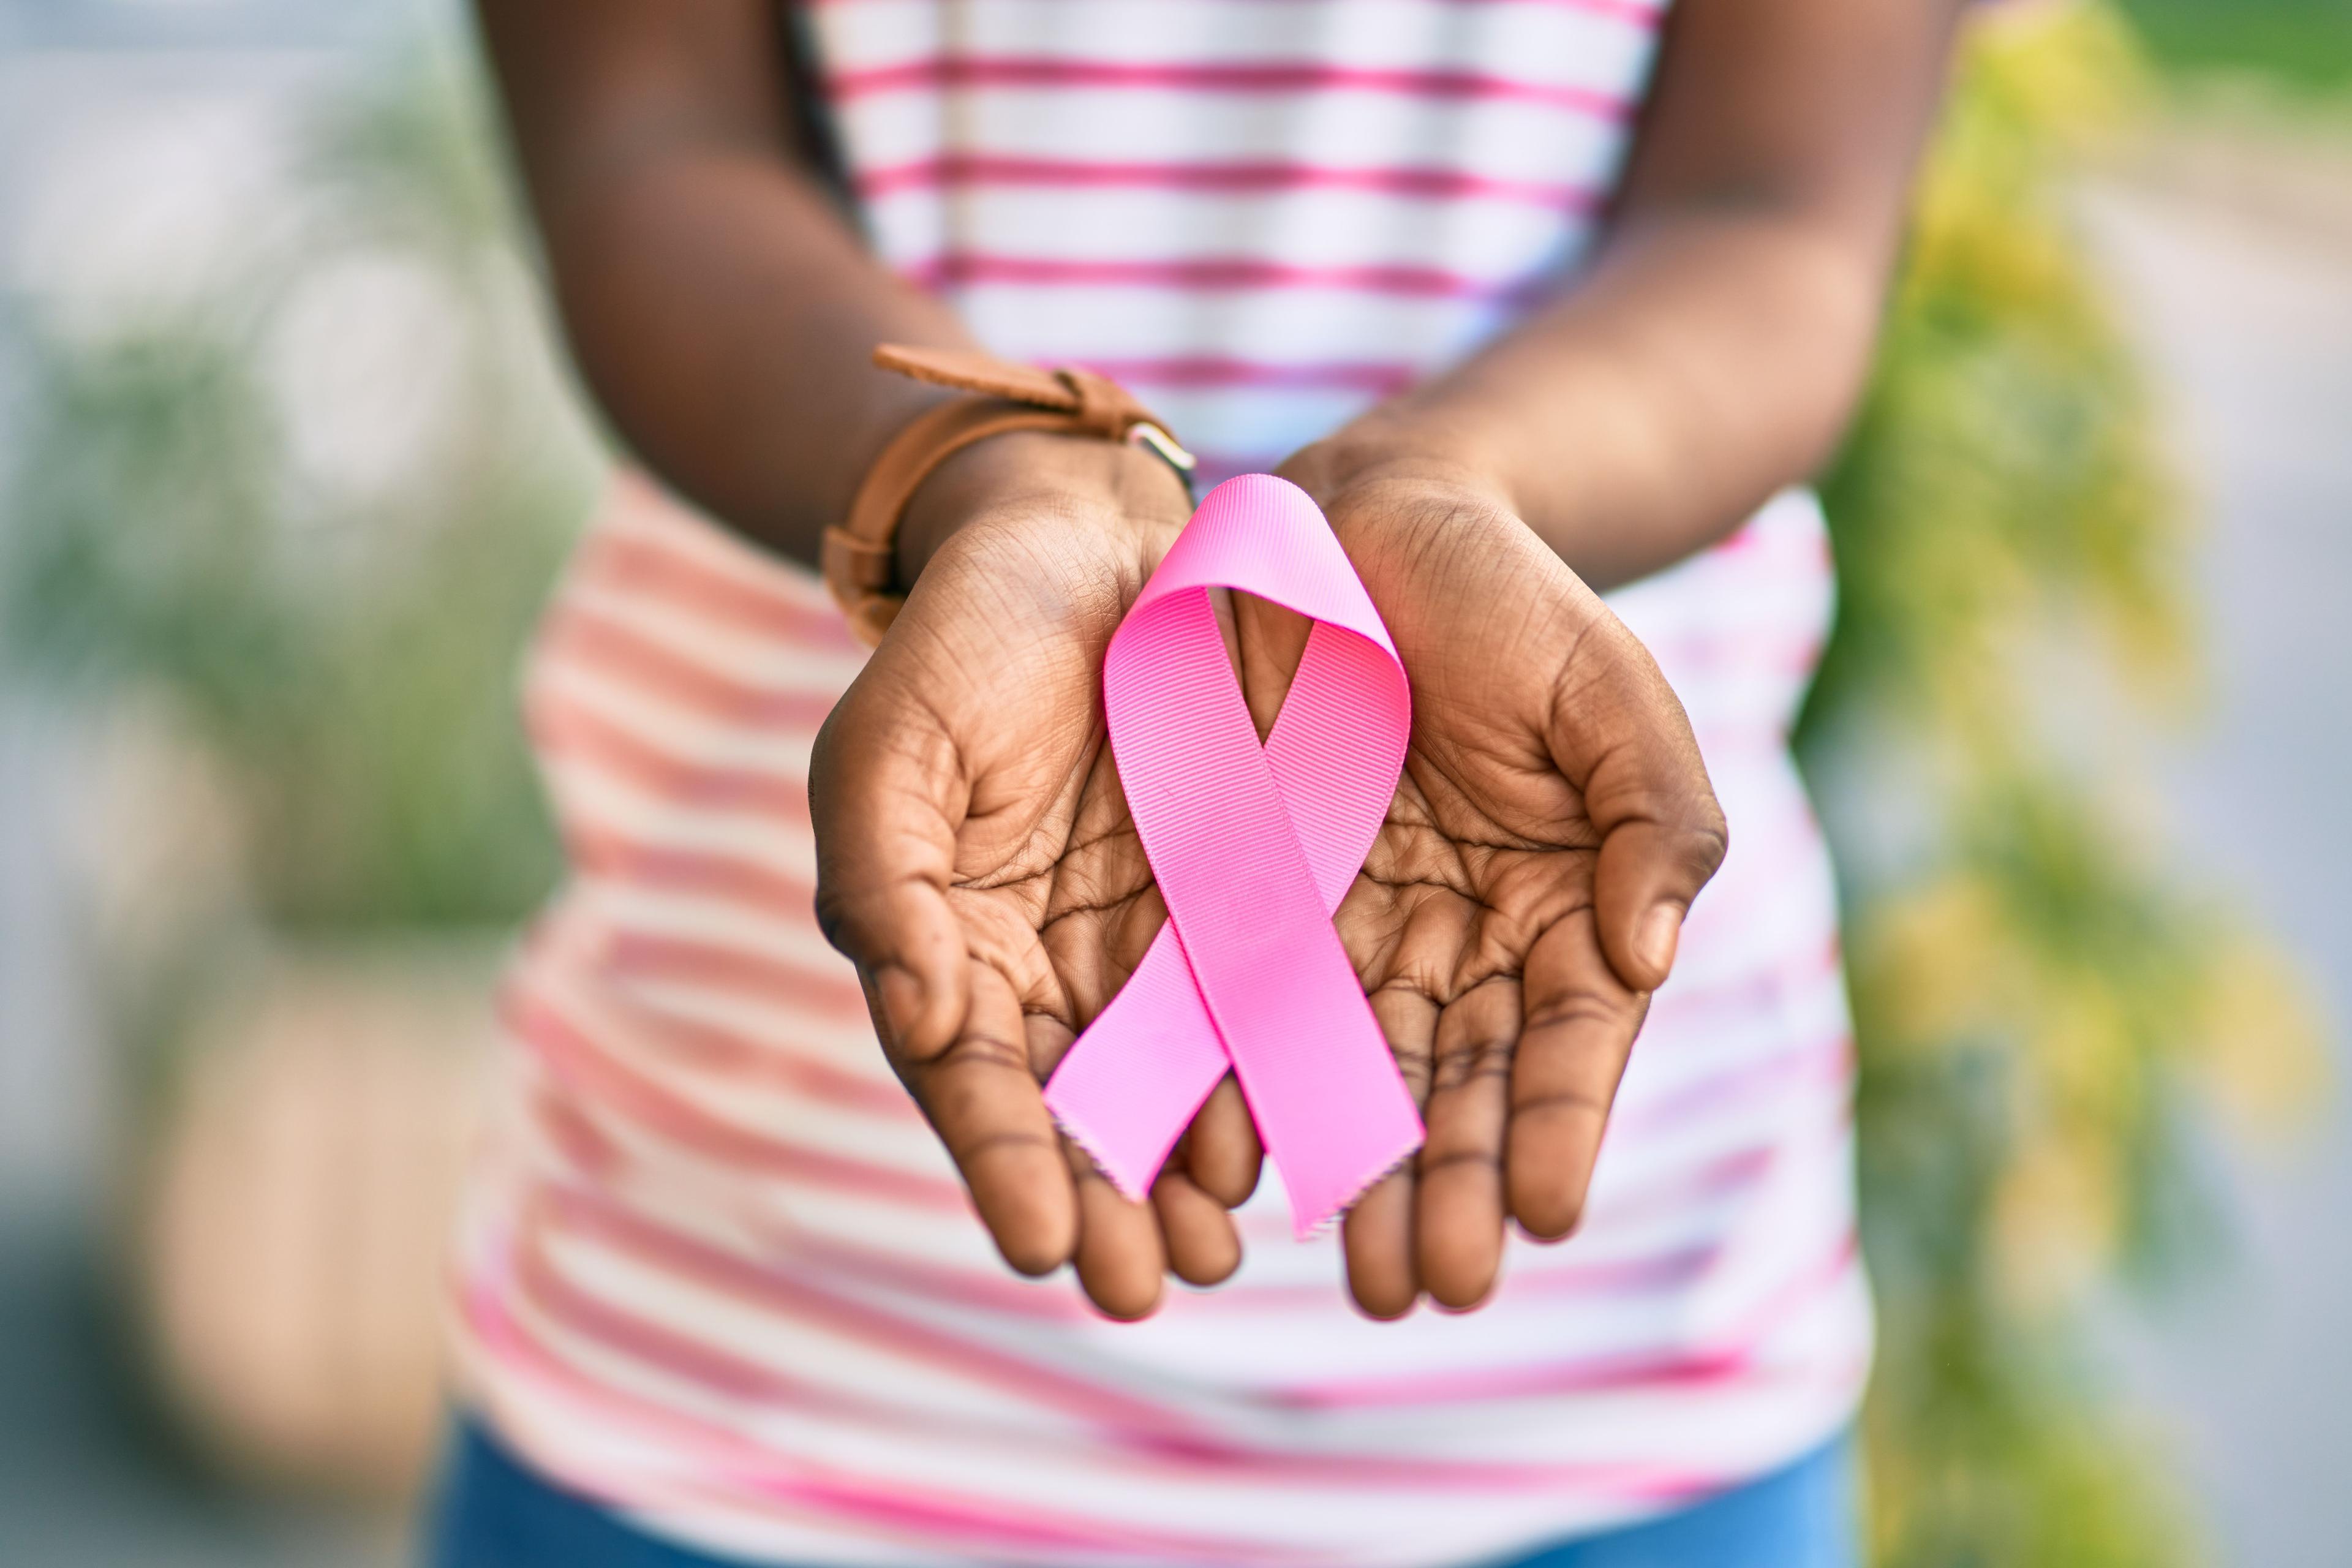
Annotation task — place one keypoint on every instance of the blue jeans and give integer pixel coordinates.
(494, 1513)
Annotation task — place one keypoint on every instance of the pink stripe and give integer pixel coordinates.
(1733, 1360)
(575, 1060)
(1249, 178)
(1634, 13)
(1212, 275)
(563, 730)
(581, 634)
(1273, 76)
(1587, 1375)
(988, 1289)
(1668, 1192)
(617, 858)
(720, 1053)
(892, 1506)
(776, 1290)
(1748, 734)
(1159, 1438)
(1747, 994)
(581, 1142)
(1619, 1277)
(544, 1286)
(1671, 1193)
(1379, 377)
(645, 561)
(1772, 650)
(1610, 1278)
(1826, 1058)
(996, 1291)
(762, 977)
(1674, 1193)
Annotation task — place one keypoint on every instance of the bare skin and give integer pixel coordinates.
(1554, 821)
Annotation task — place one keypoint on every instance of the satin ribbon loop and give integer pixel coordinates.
(1252, 848)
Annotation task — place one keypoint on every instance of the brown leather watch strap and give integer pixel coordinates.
(860, 555)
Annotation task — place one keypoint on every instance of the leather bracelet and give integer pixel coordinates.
(859, 556)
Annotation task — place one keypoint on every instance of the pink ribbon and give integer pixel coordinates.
(1252, 848)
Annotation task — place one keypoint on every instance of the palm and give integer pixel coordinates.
(1047, 873)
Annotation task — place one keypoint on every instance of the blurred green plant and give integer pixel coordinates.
(2302, 44)
(2041, 1005)
(344, 654)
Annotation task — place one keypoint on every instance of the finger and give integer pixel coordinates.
(1458, 1223)
(1580, 1024)
(1620, 735)
(981, 1095)
(1203, 1247)
(1221, 1151)
(1376, 1237)
(1120, 1259)
(1378, 1232)
(884, 800)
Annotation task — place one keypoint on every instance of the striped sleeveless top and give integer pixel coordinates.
(715, 1270)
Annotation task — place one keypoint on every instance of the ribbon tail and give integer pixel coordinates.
(1129, 1087)
(1334, 1121)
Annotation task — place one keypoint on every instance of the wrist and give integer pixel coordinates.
(1392, 450)
(1034, 470)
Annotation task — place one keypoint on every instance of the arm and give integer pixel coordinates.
(1712, 350)
(1555, 820)
(972, 860)
(719, 305)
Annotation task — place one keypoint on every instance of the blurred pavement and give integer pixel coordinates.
(2243, 295)
(89, 1477)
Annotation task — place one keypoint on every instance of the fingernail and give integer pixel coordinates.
(901, 996)
(1654, 942)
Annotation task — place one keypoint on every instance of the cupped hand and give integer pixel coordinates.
(1552, 825)
(1523, 898)
(977, 861)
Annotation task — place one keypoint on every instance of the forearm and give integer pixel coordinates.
(1712, 351)
(726, 319)
(1708, 359)
(720, 307)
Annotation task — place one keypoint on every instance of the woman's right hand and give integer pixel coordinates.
(975, 858)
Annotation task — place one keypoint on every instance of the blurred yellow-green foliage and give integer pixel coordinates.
(2041, 1006)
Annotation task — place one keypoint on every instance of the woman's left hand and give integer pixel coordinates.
(1552, 825)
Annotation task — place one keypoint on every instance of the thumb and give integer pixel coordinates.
(886, 791)
(1620, 734)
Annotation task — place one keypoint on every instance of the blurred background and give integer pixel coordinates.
(287, 461)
